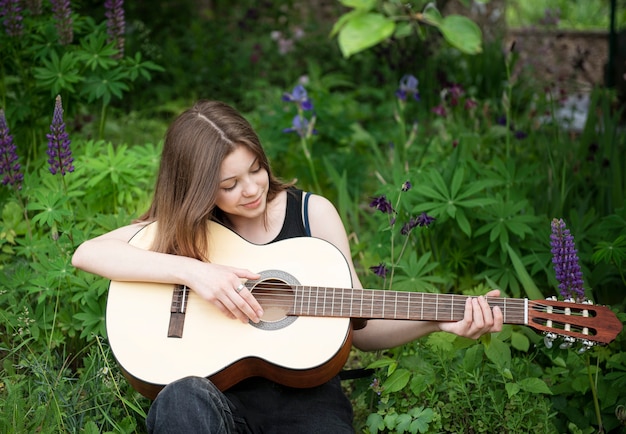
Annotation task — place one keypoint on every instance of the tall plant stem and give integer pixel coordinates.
(103, 115)
(594, 393)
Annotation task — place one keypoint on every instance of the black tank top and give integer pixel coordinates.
(293, 226)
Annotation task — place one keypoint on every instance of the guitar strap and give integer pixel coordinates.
(305, 213)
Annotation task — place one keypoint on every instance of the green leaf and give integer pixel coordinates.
(422, 418)
(96, 53)
(432, 15)
(519, 341)
(363, 5)
(527, 282)
(534, 385)
(397, 381)
(512, 389)
(473, 357)
(363, 31)
(462, 33)
(58, 73)
(375, 423)
(499, 353)
(51, 207)
(383, 362)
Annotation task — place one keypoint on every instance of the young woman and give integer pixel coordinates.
(213, 167)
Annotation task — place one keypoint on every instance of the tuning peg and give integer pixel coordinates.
(568, 341)
(586, 345)
(549, 339)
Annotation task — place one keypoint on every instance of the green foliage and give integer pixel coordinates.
(492, 190)
(88, 72)
(372, 22)
(580, 15)
(445, 384)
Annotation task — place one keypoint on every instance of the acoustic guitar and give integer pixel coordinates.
(160, 333)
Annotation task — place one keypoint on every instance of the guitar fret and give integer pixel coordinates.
(308, 308)
(395, 308)
(408, 299)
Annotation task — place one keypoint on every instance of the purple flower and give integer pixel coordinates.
(455, 91)
(63, 17)
(300, 125)
(382, 204)
(9, 167)
(520, 135)
(59, 152)
(407, 186)
(300, 97)
(114, 12)
(10, 11)
(439, 110)
(423, 220)
(470, 104)
(380, 270)
(408, 86)
(565, 261)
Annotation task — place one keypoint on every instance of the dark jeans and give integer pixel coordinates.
(195, 405)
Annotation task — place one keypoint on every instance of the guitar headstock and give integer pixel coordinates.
(584, 322)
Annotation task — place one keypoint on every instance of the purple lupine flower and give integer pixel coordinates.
(9, 167)
(300, 97)
(565, 261)
(407, 186)
(10, 11)
(300, 125)
(114, 13)
(63, 17)
(59, 152)
(380, 270)
(382, 204)
(408, 86)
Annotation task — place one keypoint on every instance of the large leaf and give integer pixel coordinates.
(363, 31)
(527, 282)
(462, 33)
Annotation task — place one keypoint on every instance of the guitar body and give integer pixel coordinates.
(297, 351)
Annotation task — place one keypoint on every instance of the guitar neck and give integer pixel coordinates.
(382, 304)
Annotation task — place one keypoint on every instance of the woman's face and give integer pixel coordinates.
(243, 185)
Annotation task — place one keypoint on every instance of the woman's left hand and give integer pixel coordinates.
(479, 318)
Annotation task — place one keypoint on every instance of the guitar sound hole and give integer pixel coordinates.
(275, 297)
(275, 294)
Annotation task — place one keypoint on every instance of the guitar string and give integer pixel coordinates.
(513, 305)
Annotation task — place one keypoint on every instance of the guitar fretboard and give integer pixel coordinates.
(381, 304)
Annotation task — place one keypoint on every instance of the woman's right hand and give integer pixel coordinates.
(220, 286)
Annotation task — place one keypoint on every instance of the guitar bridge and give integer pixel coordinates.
(177, 311)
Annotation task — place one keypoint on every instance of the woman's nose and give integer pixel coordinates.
(250, 188)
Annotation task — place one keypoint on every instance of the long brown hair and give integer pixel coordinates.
(195, 146)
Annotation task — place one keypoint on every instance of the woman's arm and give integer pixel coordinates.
(111, 256)
(479, 318)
